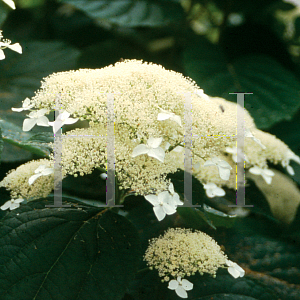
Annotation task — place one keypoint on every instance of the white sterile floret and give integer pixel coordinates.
(6, 43)
(12, 204)
(62, 119)
(10, 3)
(175, 197)
(222, 165)
(249, 134)
(36, 118)
(234, 269)
(180, 286)
(212, 190)
(25, 106)
(152, 149)
(237, 154)
(162, 204)
(286, 161)
(265, 173)
(42, 170)
(165, 115)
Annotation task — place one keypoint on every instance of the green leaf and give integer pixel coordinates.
(14, 135)
(66, 253)
(131, 13)
(200, 218)
(3, 14)
(1, 142)
(275, 89)
(21, 75)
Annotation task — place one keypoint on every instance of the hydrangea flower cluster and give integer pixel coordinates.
(31, 180)
(149, 113)
(182, 252)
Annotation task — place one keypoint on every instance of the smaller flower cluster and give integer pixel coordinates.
(182, 252)
(32, 180)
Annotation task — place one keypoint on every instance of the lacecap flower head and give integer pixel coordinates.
(180, 253)
(18, 183)
(149, 110)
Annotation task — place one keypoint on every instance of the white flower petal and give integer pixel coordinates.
(41, 112)
(268, 172)
(224, 173)
(154, 142)
(163, 116)
(233, 272)
(164, 197)
(6, 205)
(173, 284)
(152, 199)
(19, 200)
(17, 109)
(159, 212)
(224, 164)
(209, 163)
(171, 188)
(187, 285)
(231, 150)
(178, 149)
(290, 170)
(15, 47)
(157, 153)
(33, 178)
(10, 3)
(219, 192)
(255, 170)
(47, 171)
(209, 186)
(43, 121)
(28, 124)
(56, 125)
(2, 55)
(180, 291)
(239, 269)
(176, 200)
(210, 193)
(14, 205)
(139, 150)
(267, 178)
(169, 209)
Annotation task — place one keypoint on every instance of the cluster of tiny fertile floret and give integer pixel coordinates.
(17, 181)
(140, 91)
(182, 252)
